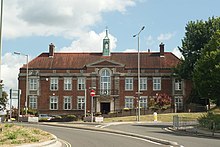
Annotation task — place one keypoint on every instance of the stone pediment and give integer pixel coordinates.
(105, 63)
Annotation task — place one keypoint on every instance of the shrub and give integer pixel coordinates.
(208, 120)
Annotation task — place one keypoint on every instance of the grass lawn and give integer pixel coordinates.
(160, 117)
(11, 134)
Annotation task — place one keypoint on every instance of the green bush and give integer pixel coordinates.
(209, 120)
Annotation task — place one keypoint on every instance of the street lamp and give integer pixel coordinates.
(26, 97)
(137, 35)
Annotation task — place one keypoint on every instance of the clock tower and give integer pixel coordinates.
(106, 45)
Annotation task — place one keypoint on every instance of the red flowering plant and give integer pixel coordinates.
(160, 101)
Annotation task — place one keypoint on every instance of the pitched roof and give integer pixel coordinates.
(149, 60)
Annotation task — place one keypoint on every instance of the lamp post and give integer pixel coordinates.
(1, 18)
(26, 97)
(137, 35)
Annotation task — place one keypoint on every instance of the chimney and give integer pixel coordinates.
(161, 49)
(51, 50)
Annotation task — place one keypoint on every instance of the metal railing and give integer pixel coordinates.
(208, 127)
(107, 92)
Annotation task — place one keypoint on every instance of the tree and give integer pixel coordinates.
(197, 35)
(206, 75)
(3, 100)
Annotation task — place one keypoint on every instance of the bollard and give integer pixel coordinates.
(155, 116)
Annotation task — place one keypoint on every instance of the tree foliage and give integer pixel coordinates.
(198, 34)
(3, 100)
(206, 75)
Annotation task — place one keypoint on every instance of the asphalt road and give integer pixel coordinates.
(84, 138)
(156, 130)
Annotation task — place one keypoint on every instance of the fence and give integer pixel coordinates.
(183, 122)
(207, 127)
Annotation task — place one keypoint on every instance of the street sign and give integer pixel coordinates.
(92, 93)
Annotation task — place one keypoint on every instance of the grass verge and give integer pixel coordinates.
(11, 134)
(160, 117)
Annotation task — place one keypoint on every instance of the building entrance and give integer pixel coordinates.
(105, 108)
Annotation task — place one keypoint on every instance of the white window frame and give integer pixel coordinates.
(178, 101)
(105, 81)
(156, 83)
(143, 83)
(81, 82)
(80, 102)
(54, 84)
(129, 82)
(32, 83)
(67, 103)
(129, 102)
(178, 85)
(53, 103)
(67, 83)
(33, 102)
(143, 101)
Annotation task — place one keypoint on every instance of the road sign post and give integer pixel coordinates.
(92, 94)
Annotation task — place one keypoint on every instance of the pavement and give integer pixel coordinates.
(102, 127)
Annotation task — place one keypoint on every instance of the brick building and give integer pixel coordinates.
(59, 82)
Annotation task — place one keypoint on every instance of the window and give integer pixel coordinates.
(67, 83)
(157, 83)
(32, 84)
(67, 103)
(81, 83)
(129, 102)
(143, 102)
(143, 83)
(178, 84)
(128, 83)
(178, 102)
(80, 102)
(53, 103)
(105, 84)
(33, 102)
(53, 83)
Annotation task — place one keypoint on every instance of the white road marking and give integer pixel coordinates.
(65, 142)
(117, 135)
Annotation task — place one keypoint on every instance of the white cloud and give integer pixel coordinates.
(68, 18)
(177, 52)
(90, 42)
(65, 18)
(165, 37)
(130, 50)
(10, 69)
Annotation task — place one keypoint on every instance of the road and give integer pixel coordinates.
(85, 138)
(156, 130)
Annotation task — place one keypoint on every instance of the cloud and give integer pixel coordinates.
(90, 42)
(56, 17)
(130, 50)
(165, 37)
(10, 69)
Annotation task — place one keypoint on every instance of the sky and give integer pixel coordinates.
(29, 26)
